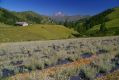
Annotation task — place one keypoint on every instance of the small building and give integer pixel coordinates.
(22, 23)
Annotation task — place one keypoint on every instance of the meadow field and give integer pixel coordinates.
(59, 40)
(34, 32)
(70, 59)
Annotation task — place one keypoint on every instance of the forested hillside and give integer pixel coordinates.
(102, 24)
(10, 17)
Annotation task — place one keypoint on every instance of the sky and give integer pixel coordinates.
(60, 7)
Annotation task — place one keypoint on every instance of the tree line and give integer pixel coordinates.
(85, 24)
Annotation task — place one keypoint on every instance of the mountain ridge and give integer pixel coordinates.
(28, 16)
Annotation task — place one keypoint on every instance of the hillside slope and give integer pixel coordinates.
(112, 25)
(34, 32)
(10, 17)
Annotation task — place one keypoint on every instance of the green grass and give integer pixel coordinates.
(4, 25)
(112, 26)
(34, 32)
(114, 14)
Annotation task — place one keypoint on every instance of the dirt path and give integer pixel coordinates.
(53, 70)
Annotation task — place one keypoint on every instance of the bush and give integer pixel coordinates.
(90, 72)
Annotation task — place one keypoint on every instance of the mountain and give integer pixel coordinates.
(91, 26)
(10, 17)
(111, 17)
(58, 18)
(32, 17)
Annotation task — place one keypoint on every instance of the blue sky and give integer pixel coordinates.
(68, 7)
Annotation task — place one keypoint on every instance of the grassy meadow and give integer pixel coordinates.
(34, 32)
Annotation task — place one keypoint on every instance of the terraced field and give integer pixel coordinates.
(71, 59)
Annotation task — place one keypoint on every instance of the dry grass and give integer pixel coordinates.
(111, 76)
(37, 54)
(52, 71)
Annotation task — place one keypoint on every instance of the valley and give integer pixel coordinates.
(59, 47)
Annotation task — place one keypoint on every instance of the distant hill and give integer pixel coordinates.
(10, 17)
(68, 18)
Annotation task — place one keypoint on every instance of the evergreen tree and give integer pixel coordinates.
(103, 27)
(66, 23)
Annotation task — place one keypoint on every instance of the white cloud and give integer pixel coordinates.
(59, 13)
